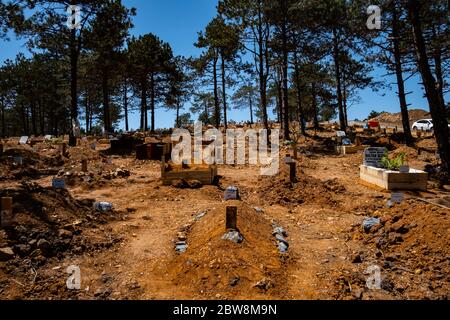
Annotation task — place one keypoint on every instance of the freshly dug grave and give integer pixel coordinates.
(99, 174)
(51, 215)
(411, 246)
(50, 226)
(306, 189)
(34, 165)
(216, 268)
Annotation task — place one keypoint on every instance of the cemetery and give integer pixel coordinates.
(223, 150)
(148, 228)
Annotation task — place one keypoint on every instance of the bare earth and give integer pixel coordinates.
(129, 253)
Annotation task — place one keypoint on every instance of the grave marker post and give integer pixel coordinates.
(84, 165)
(231, 218)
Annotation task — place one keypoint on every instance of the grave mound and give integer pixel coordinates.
(51, 223)
(307, 189)
(214, 266)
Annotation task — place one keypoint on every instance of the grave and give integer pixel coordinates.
(6, 216)
(351, 149)
(153, 151)
(373, 173)
(123, 144)
(205, 174)
(394, 180)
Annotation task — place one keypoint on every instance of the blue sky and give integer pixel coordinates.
(179, 21)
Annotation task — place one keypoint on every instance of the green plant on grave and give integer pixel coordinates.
(393, 164)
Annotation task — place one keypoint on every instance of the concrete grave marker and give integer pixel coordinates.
(231, 193)
(373, 156)
(397, 197)
(6, 215)
(23, 140)
(340, 134)
(58, 183)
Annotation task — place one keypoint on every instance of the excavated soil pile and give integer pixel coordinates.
(411, 246)
(49, 223)
(414, 115)
(213, 267)
(33, 164)
(307, 189)
(99, 174)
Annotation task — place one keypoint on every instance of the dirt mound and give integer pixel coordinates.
(307, 189)
(33, 164)
(410, 245)
(414, 115)
(48, 223)
(99, 174)
(214, 266)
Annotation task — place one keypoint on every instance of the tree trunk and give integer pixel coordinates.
(279, 99)
(143, 103)
(125, 105)
(33, 118)
(87, 114)
(301, 117)
(262, 56)
(437, 108)
(284, 37)
(437, 55)
(152, 103)
(206, 112)
(74, 53)
(314, 105)
(3, 116)
(41, 117)
(24, 118)
(216, 94)
(344, 99)
(178, 115)
(338, 80)
(106, 107)
(224, 95)
(250, 103)
(399, 74)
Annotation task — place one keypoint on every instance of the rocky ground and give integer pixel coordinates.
(130, 251)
